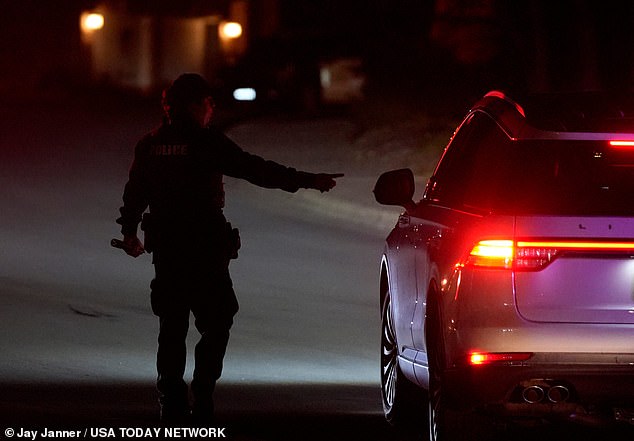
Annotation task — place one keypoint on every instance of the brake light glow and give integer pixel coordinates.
(492, 253)
(622, 144)
(582, 245)
(480, 358)
(530, 256)
(533, 255)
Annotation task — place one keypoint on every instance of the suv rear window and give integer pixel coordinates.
(553, 177)
(485, 171)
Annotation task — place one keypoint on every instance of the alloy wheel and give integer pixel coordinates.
(389, 362)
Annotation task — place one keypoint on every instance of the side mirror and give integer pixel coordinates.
(396, 188)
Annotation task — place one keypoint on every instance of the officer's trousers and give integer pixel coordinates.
(199, 284)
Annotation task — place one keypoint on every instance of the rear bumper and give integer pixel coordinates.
(544, 389)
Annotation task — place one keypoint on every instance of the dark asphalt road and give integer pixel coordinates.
(245, 412)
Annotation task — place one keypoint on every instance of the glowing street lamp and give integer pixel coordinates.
(230, 30)
(92, 21)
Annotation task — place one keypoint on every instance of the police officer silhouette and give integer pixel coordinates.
(177, 173)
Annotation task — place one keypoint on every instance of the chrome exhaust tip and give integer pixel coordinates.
(533, 394)
(557, 394)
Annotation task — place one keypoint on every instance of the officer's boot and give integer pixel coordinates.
(174, 402)
(203, 409)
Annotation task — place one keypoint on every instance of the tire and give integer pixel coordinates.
(437, 410)
(446, 423)
(403, 402)
(437, 415)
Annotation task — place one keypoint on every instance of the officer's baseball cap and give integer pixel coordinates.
(186, 89)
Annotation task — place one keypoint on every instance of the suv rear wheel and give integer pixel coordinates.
(403, 402)
(445, 423)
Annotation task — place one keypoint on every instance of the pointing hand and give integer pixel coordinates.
(325, 181)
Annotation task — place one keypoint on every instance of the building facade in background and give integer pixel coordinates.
(247, 48)
(143, 45)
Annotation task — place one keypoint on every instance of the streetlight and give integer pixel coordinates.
(230, 30)
(92, 21)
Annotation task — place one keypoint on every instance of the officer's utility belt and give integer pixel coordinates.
(229, 240)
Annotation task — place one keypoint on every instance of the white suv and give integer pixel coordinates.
(508, 290)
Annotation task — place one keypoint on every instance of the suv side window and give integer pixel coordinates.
(473, 167)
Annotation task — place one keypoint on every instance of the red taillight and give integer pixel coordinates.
(492, 254)
(622, 144)
(525, 255)
(529, 256)
(480, 358)
(580, 245)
